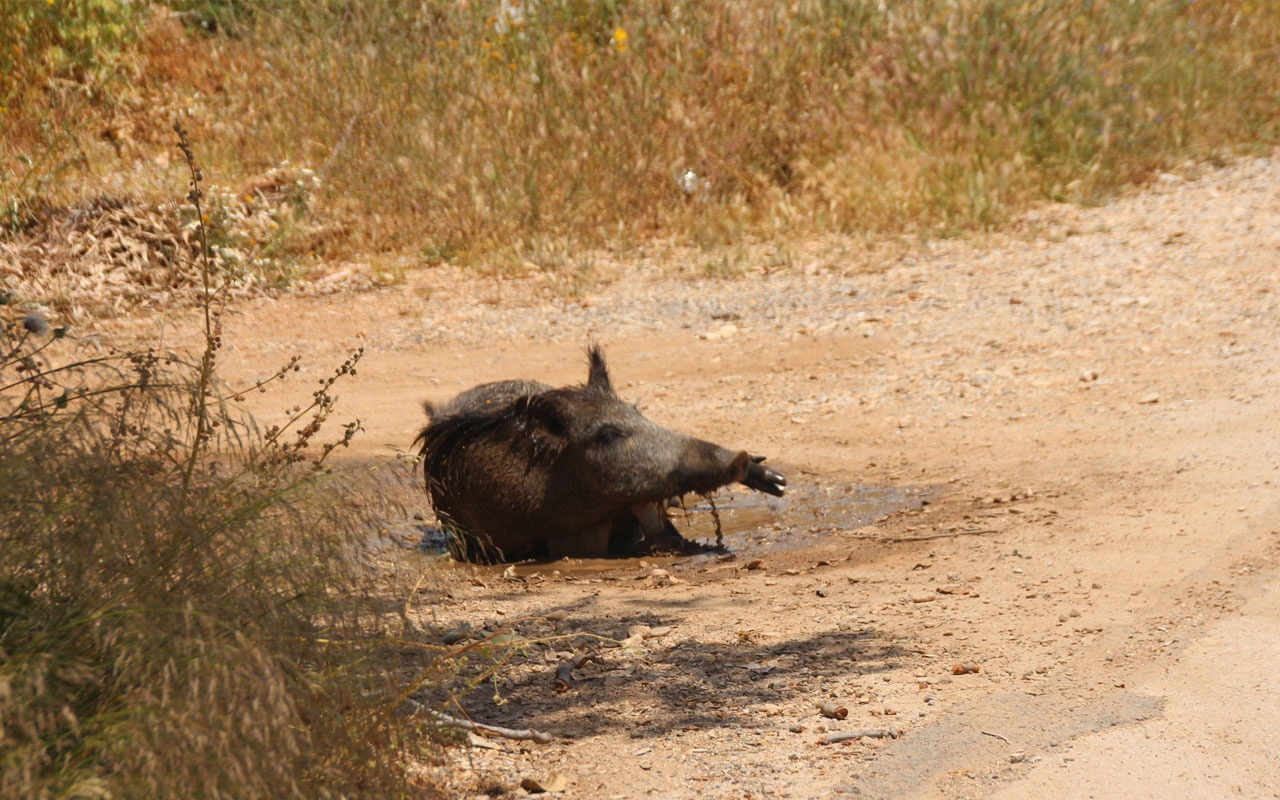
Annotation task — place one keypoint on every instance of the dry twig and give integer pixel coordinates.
(926, 537)
(524, 734)
(874, 733)
(565, 671)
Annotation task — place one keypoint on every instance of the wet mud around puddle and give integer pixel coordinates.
(751, 524)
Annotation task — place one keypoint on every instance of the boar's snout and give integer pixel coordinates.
(706, 467)
(763, 479)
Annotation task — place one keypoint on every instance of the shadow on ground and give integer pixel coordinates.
(656, 686)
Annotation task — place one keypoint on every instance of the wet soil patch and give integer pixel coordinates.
(751, 524)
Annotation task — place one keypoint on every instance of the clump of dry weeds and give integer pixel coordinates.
(518, 130)
(182, 601)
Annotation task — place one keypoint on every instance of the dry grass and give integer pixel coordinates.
(184, 607)
(510, 131)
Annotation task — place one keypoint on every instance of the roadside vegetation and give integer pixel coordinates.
(523, 132)
(185, 610)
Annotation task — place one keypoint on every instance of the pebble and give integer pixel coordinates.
(833, 711)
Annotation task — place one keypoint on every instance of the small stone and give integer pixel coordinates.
(1017, 757)
(1149, 399)
(833, 711)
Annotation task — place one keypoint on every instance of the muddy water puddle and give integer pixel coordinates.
(751, 522)
(751, 525)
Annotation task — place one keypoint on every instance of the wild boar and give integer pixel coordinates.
(518, 470)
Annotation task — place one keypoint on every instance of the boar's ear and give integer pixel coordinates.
(540, 413)
(598, 377)
(545, 426)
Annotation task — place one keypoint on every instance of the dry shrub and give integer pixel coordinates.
(166, 637)
(183, 606)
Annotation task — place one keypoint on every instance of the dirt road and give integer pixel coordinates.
(1091, 407)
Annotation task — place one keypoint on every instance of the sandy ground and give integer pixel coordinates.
(1088, 404)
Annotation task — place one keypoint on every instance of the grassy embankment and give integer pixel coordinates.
(452, 131)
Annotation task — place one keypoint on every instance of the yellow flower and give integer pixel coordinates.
(620, 38)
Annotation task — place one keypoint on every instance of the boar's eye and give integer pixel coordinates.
(609, 434)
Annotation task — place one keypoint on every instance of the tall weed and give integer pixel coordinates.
(183, 609)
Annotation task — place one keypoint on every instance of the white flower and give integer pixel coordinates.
(691, 183)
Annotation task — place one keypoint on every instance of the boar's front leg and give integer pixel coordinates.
(657, 531)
